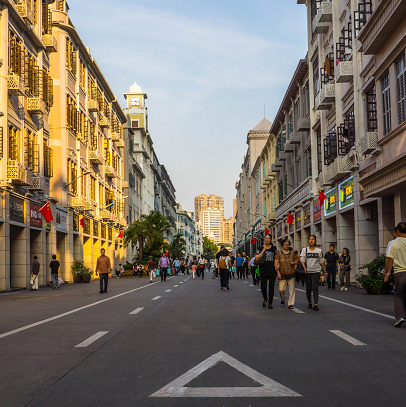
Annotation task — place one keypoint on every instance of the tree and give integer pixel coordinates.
(209, 248)
(136, 234)
(178, 246)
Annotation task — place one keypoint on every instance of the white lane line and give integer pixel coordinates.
(156, 298)
(258, 289)
(181, 282)
(176, 285)
(72, 312)
(275, 298)
(354, 306)
(298, 311)
(167, 291)
(348, 338)
(92, 339)
(251, 285)
(136, 311)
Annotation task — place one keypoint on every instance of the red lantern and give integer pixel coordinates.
(166, 253)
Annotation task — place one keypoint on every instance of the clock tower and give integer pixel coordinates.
(136, 109)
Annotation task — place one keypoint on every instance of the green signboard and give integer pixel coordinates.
(346, 190)
(330, 202)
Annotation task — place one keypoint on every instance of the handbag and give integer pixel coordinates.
(261, 261)
(347, 268)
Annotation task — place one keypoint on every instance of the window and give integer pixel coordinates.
(72, 176)
(400, 89)
(372, 120)
(82, 74)
(316, 84)
(361, 15)
(346, 134)
(319, 156)
(46, 18)
(84, 184)
(31, 152)
(314, 7)
(135, 124)
(48, 166)
(330, 146)
(16, 61)
(306, 99)
(344, 45)
(308, 156)
(47, 88)
(107, 154)
(386, 109)
(13, 143)
(71, 114)
(93, 189)
(70, 57)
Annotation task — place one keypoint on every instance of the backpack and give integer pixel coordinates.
(222, 262)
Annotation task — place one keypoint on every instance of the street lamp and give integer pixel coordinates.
(65, 186)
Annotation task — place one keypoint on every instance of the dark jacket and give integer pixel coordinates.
(35, 267)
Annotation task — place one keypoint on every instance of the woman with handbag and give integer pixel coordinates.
(265, 259)
(345, 269)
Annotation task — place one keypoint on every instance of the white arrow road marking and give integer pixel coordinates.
(92, 339)
(298, 311)
(156, 298)
(269, 388)
(136, 311)
(167, 291)
(348, 338)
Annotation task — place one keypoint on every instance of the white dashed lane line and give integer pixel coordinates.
(348, 338)
(92, 339)
(298, 311)
(156, 298)
(167, 291)
(136, 311)
(176, 285)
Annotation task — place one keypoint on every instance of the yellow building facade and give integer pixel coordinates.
(61, 140)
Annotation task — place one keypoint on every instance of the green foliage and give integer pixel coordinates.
(373, 278)
(209, 248)
(79, 268)
(178, 246)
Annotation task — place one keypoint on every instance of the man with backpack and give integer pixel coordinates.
(331, 258)
(223, 263)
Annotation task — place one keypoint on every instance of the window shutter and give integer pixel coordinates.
(36, 159)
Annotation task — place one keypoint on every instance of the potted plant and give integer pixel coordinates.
(373, 280)
(86, 274)
(76, 269)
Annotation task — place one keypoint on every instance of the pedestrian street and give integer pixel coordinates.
(185, 342)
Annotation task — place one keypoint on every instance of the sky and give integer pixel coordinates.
(208, 67)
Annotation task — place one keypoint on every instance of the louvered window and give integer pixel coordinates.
(101, 195)
(319, 152)
(16, 61)
(61, 5)
(71, 56)
(46, 18)
(107, 154)
(316, 77)
(330, 146)
(71, 114)
(72, 176)
(100, 99)
(401, 89)
(361, 15)
(372, 119)
(93, 136)
(48, 168)
(31, 152)
(346, 134)
(308, 157)
(344, 45)
(327, 72)
(1, 142)
(386, 108)
(13, 143)
(82, 74)
(93, 189)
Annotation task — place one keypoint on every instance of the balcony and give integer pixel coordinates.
(328, 94)
(25, 13)
(294, 139)
(344, 72)
(93, 105)
(369, 142)
(324, 179)
(104, 122)
(319, 28)
(95, 157)
(115, 136)
(275, 168)
(16, 172)
(109, 171)
(120, 144)
(325, 12)
(340, 167)
(50, 42)
(282, 156)
(288, 147)
(105, 214)
(303, 124)
(15, 85)
(78, 201)
(36, 105)
(39, 183)
(88, 205)
(318, 105)
(124, 184)
(270, 216)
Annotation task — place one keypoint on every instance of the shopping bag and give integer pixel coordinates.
(60, 281)
(157, 272)
(257, 270)
(168, 271)
(32, 279)
(154, 274)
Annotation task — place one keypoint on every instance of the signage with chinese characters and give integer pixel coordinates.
(298, 218)
(16, 206)
(316, 210)
(330, 202)
(61, 219)
(35, 215)
(346, 190)
(306, 210)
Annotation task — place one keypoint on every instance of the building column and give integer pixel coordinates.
(386, 221)
(4, 244)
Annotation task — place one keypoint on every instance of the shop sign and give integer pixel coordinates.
(279, 230)
(16, 207)
(346, 190)
(61, 219)
(316, 210)
(330, 202)
(306, 211)
(76, 223)
(35, 215)
(298, 219)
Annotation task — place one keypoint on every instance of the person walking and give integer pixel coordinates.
(330, 263)
(163, 265)
(182, 267)
(345, 269)
(312, 261)
(201, 265)
(233, 265)
(238, 264)
(103, 268)
(265, 258)
(285, 265)
(151, 268)
(34, 273)
(176, 264)
(194, 270)
(223, 262)
(54, 265)
(245, 265)
(396, 258)
(255, 277)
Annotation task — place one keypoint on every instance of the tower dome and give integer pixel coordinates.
(135, 89)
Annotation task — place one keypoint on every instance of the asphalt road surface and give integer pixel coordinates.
(187, 343)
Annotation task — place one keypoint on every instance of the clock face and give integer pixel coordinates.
(135, 101)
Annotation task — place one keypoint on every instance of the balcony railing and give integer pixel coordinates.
(328, 94)
(15, 85)
(324, 179)
(39, 183)
(319, 27)
(124, 184)
(17, 173)
(109, 171)
(36, 105)
(50, 42)
(344, 72)
(25, 12)
(339, 168)
(78, 201)
(88, 205)
(120, 144)
(105, 214)
(325, 12)
(104, 122)
(303, 124)
(95, 157)
(369, 142)
(115, 136)
(93, 105)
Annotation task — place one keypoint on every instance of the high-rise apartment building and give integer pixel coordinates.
(205, 202)
(227, 230)
(210, 221)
